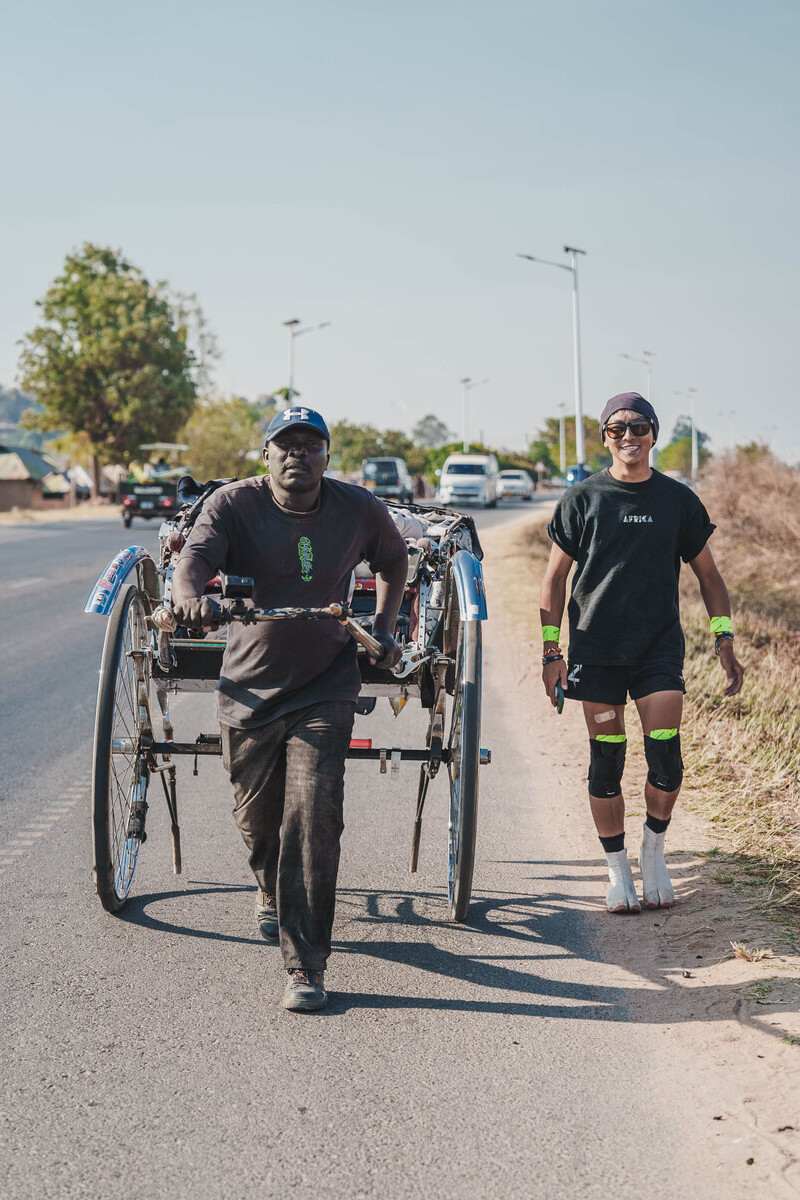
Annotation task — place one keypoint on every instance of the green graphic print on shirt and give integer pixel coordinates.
(306, 555)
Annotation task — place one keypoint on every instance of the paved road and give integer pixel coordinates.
(146, 1054)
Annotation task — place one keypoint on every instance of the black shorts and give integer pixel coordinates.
(612, 685)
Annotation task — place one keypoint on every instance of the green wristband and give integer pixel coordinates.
(720, 625)
(550, 633)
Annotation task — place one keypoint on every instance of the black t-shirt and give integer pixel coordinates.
(628, 540)
(297, 560)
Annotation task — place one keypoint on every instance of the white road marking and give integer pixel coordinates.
(21, 585)
(27, 837)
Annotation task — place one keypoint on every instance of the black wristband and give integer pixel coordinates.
(720, 638)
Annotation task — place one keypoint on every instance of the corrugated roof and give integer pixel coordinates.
(20, 463)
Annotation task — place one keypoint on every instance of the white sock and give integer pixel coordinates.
(656, 886)
(622, 894)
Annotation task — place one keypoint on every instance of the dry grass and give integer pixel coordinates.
(743, 755)
(750, 953)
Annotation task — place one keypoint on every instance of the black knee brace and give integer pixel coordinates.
(664, 762)
(606, 765)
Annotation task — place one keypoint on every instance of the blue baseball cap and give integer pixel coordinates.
(296, 415)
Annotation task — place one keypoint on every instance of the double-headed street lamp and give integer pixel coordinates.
(647, 363)
(296, 331)
(576, 341)
(691, 393)
(468, 384)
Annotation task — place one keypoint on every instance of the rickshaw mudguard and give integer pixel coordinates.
(109, 585)
(468, 578)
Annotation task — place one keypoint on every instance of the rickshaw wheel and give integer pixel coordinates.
(464, 746)
(119, 775)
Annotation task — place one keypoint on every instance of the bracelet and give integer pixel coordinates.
(720, 625)
(720, 638)
(550, 633)
(548, 658)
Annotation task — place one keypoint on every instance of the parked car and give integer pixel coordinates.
(576, 474)
(515, 485)
(388, 478)
(468, 479)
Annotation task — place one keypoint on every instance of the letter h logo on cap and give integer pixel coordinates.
(297, 415)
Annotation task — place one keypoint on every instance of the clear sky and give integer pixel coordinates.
(379, 166)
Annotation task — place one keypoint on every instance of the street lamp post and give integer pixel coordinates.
(691, 393)
(729, 415)
(468, 384)
(295, 331)
(576, 340)
(647, 362)
(695, 452)
(562, 441)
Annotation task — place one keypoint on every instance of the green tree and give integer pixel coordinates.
(683, 430)
(430, 432)
(351, 444)
(13, 403)
(595, 454)
(540, 451)
(677, 456)
(220, 435)
(110, 357)
(516, 462)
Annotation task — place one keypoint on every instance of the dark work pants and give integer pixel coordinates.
(288, 784)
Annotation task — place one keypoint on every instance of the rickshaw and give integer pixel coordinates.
(146, 654)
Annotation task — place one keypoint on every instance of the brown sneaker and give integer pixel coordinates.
(304, 990)
(267, 916)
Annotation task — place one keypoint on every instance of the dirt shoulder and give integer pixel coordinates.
(729, 1028)
(82, 512)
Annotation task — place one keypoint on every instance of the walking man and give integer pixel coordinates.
(287, 692)
(627, 529)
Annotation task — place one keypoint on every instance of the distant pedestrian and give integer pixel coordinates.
(626, 530)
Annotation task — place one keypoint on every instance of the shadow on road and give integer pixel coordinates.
(519, 956)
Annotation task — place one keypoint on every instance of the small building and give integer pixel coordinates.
(29, 480)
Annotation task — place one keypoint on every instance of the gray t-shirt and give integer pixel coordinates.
(628, 540)
(296, 560)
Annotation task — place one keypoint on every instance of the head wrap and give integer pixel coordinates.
(633, 402)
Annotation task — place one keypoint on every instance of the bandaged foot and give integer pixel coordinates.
(657, 889)
(622, 894)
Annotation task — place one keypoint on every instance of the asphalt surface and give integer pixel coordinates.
(147, 1055)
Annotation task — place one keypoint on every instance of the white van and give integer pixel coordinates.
(468, 479)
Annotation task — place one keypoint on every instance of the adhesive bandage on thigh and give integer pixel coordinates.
(662, 749)
(606, 764)
(622, 894)
(657, 888)
(603, 717)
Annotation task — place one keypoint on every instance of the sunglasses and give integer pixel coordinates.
(637, 428)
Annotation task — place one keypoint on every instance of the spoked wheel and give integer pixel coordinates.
(464, 746)
(120, 776)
